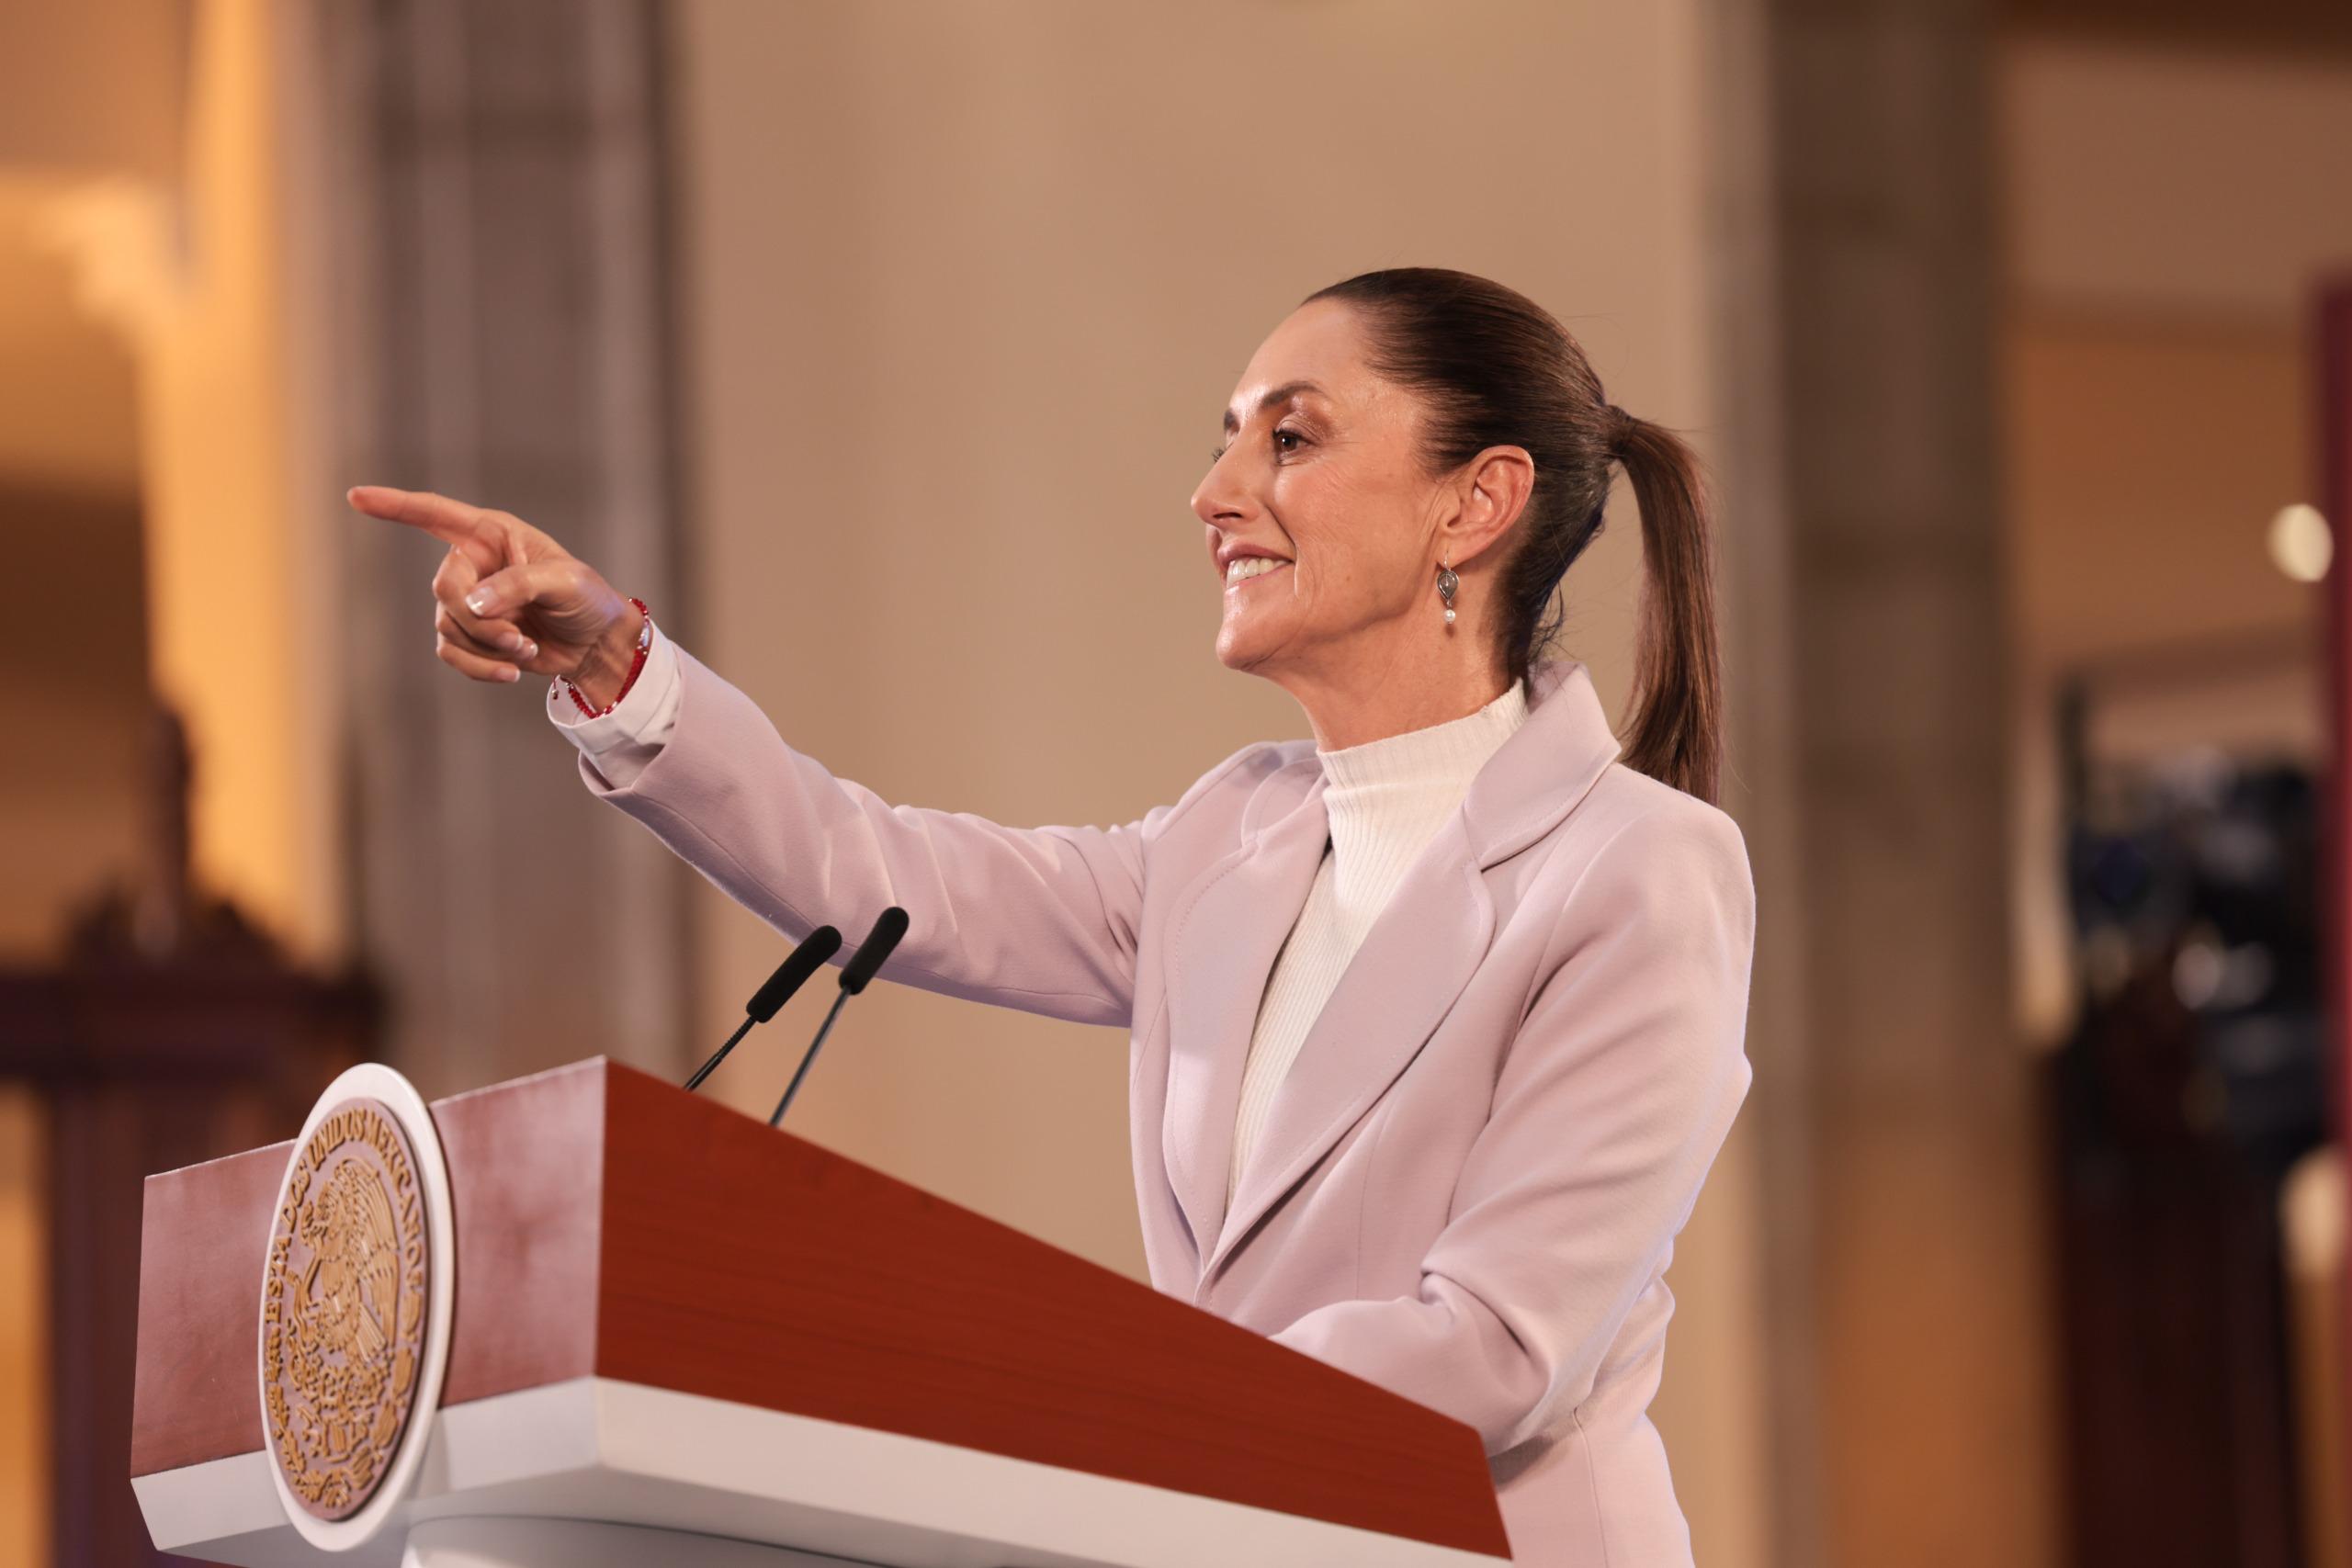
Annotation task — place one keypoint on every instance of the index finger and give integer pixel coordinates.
(451, 521)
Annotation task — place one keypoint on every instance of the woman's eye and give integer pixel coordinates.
(1283, 440)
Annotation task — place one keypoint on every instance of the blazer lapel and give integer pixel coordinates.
(1415, 960)
(1224, 932)
(1419, 953)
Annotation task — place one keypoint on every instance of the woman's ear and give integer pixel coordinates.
(1495, 488)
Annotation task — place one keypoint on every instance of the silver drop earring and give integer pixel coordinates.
(1446, 583)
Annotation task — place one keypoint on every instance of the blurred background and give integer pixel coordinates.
(879, 347)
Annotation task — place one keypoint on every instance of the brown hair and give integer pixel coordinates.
(1496, 369)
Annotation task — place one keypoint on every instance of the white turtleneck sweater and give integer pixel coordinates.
(1386, 800)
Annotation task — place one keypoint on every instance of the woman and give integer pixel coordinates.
(1436, 1018)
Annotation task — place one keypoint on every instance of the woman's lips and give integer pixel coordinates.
(1260, 577)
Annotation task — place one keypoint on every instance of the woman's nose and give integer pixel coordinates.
(1217, 499)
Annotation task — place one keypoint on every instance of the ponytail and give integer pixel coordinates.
(1497, 369)
(1676, 730)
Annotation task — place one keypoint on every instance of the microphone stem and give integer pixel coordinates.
(802, 1071)
(720, 1054)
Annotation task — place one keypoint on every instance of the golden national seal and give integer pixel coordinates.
(344, 1305)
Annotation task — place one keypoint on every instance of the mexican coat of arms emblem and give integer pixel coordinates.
(344, 1301)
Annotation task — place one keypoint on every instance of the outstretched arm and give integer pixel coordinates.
(1041, 919)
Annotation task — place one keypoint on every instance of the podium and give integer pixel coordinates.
(679, 1336)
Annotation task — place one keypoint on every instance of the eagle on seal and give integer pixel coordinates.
(353, 1274)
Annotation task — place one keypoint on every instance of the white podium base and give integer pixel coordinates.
(576, 1544)
(686, 1471)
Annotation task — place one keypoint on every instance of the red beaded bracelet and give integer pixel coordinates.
(644, 641)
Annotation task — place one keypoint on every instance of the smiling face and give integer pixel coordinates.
(1320, 479)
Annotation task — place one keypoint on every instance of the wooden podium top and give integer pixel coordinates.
(610, 1226)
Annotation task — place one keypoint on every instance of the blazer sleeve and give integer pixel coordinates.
(1045, 919)
(1613, 1099)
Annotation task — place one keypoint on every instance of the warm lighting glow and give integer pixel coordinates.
(2300, 543)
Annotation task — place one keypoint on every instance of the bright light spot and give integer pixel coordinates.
(2300, 543)
(2197, 971)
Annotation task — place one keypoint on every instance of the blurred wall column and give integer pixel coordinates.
(1763, 785)
(488, 173)
(1935, 1410)
(2326, 1428)
(184, 249)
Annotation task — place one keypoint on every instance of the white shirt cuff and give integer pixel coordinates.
(622, 742)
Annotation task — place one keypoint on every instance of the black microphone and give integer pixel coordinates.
(789, 976)
(854, 974)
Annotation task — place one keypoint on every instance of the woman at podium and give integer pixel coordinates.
(1437, 1017)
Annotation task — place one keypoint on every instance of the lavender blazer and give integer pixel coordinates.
(1469, 1186)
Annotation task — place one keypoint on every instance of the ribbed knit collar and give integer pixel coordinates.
(1436, 756)
(1386, 799)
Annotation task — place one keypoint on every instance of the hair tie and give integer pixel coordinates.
(1620, 425)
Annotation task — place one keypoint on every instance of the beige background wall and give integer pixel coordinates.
(967, 288)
